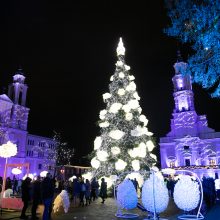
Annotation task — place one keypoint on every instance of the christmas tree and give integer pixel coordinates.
(125, 142)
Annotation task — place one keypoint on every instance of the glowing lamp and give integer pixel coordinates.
(133, 104)
(115, 107)
(150, 145)
(102, 155)
(97, 143)
(95, 163)
(121, 92)
(116, 134)
(106, 96)
(43, 173)
(16, 171)
(8, 150)
(115, 150)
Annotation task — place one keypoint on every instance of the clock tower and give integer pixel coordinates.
(17, 92)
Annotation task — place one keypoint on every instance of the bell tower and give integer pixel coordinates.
(17, 91)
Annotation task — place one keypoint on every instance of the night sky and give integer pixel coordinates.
(68, 53)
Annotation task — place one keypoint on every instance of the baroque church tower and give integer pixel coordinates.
(17, 92)
(190, 143)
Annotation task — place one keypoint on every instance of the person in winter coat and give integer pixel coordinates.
(25, 191)
(47, 192)
(36, 190)
(94, 189)
(88, 192)
(103, 190)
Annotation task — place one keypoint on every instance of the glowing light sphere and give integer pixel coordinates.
(139, 131)
(97, 143)
(186, 193)
(136, 165)
(139, 110)
(150, 145)
(102, 155)
(157, 196)
(116, 134)
(104, 124)
(113, 178)
(119, 63)
(8, 150)
(115, 150)
(127, 67)
(127, 195)
(120, 165)
(95, 163)
(137, 176)
(30, 175)
(106, 96)
(43, 173)
(134, 104)
(16, 171)
(128, 116)
(153, 156)
(168, 171)
(133, 152)
(131, 86)
(111, 78)
(115, 107)
(121, 92)
(88, 176)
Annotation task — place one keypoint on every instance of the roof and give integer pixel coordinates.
(4, 97)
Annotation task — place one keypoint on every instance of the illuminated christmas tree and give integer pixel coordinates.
(124, 144)
(198, 23)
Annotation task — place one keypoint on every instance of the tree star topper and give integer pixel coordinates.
(120, 48)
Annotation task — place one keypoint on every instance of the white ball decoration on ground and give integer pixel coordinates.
(95, 163)
(30, 175)
(127, 195)
(102, 155)
(8, 150)
(120, 165)
(88, 176)
(97, 143)
(16, 171)
(186, 193)
(157, 196)
(116, 134)
(43, 173)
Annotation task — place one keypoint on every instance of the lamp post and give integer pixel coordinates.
(7, 150)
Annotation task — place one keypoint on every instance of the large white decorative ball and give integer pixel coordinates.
(136, 165)
(16, 171)
(136, 96)
(127, 67)
(104, 124)
(186, 193)
(8, 150)
(121, 92)
(127, 195)
(43, 173)
(102, 114)
(139, 131)
(95, 163)
(126, 108)
(128, 116)
(143, 119)
(97, 143)
(133, 104)
(102, 155)
(115, 107)
(150, 145)
(121, 75)
(131, 86)
(116, 134)
(115, 150)
(106, 96)
(131, 77)
(120, 165)
(119, 63)
(154, 192)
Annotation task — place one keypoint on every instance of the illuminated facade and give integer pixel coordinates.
(32, 149)
(190, 143)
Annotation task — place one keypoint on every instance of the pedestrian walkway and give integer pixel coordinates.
(98, 211)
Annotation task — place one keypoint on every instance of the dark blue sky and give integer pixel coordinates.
(67, 51)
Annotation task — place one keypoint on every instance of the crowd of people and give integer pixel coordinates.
(44, 190)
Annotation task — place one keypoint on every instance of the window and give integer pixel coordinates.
(29, 153)
(212, 162)
(40, 154)
(186, 147)
(39, 166)
(187, 162)
(49, 168)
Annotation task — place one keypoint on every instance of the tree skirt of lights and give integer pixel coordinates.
(126, 199)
